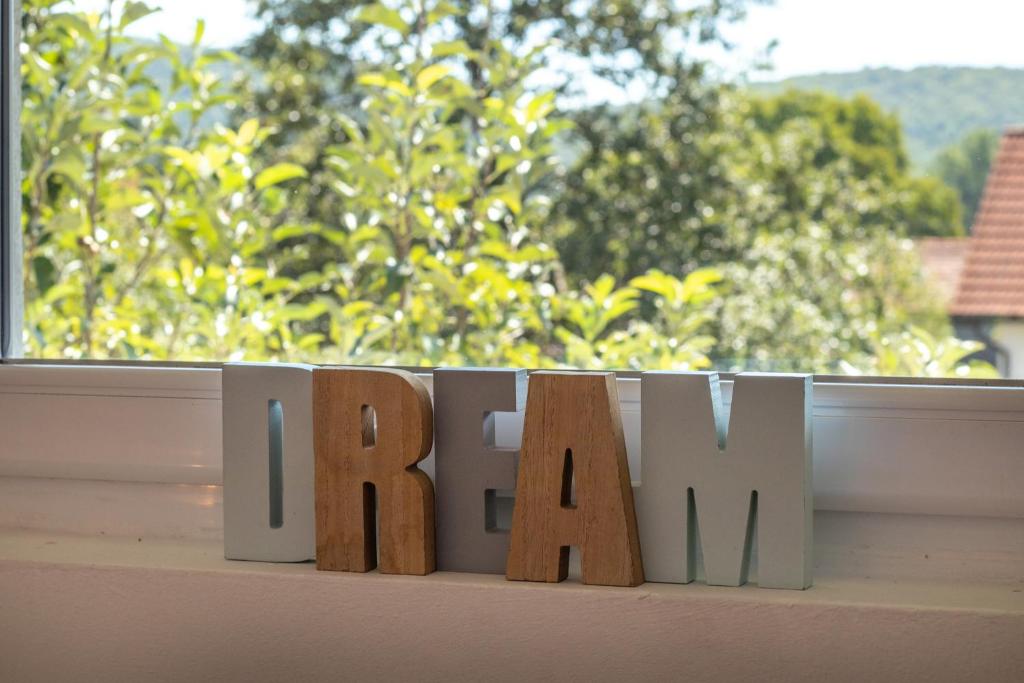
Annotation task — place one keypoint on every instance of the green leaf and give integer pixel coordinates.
(656, 282)
(276, 284)
(69, 164)
(431, 75)
(382, 81)
(72, 22)
(540, 106)
(349, 126)
(252, 276)
(45, 273)
(133, 11)
(442, 10)
(510, 197)
(289, 231)
(451, 47)
(247, 131)
(198, 35)
(306, 312)
(382, 16)
(185, 159)
(278, 173)
(311, 342)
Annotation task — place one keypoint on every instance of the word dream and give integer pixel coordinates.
(322, 463)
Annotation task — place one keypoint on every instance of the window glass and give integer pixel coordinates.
(624, 184)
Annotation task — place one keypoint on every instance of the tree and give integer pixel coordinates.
(620, 41)
(916, 353)
(145, 236)
(442, 218)
(801, 200)
(476, 38)
(310, 53)
(652, 184)
(872, 141)
(646, 189)
(153, 233)
(965, 166)
(828, 265)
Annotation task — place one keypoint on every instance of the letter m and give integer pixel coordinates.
(710, 481)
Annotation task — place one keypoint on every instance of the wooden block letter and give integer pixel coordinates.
(371, 428)
(573, 428)
(468, 468)
(756, 477)
(268, 462)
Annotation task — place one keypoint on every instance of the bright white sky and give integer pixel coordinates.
(848, 35)
(813, 35)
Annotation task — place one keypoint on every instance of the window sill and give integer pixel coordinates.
(76, 552)
(910, 481)
(178, 609)
(919, 556)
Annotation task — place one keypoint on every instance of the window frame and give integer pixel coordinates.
(11, 262)
(912, 482)
(11, 285)
(126, 482)
(879, 448)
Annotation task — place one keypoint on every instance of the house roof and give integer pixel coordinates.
(992, 281)
(942, 261)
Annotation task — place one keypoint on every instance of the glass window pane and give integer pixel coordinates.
(787, 186)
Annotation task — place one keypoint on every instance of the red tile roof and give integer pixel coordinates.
(942, 260)
(992, 282)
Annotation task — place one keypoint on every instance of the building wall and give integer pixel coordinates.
(1009, 334)
(981, 329)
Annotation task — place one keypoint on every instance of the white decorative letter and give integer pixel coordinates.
(762, 480)
(468, 468)
(268, 462)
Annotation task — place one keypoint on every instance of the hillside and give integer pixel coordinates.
(938, 105)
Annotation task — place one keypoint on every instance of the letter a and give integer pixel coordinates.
(573, 427)
(371, 428)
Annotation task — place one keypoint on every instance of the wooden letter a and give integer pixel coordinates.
(573, 431)
(371, 428)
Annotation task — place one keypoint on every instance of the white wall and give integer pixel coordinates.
(1009, 334)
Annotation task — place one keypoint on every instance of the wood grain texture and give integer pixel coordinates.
(354, 460)
(573, 430)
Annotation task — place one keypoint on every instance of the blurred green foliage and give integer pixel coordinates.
(914, 352)
(937, 105)
(403, 195)
(144, 235)
(965, 166)
(148, 235)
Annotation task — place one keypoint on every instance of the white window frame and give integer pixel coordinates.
(911, 481)
(159, 423)
(10, 186)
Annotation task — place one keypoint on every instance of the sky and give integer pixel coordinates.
(813, 35)
(849, 35)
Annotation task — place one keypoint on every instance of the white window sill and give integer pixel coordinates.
(76, 552)
(127, 609)
(919, 557)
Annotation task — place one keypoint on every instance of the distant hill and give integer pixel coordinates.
(938, 105)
